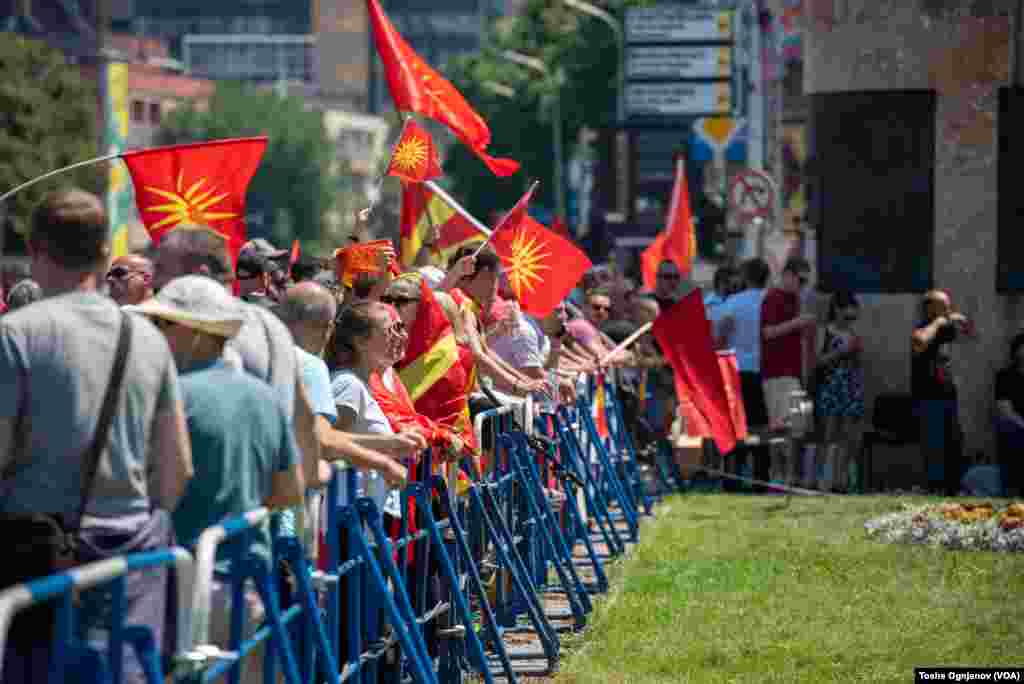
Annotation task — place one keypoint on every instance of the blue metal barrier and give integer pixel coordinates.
(67, 650)
(594, 492)
(622, 442)
(609, 475)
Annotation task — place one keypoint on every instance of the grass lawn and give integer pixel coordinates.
(731, 588)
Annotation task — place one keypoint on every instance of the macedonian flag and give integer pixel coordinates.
(425, 212)
(201, 185)
(415, 158)
(432, 370)
(542, 267)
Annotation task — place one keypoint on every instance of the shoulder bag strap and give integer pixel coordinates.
(91, 460)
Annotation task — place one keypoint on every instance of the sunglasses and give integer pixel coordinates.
(120, 272)
(668, 276)
(161, 323)
(398, 301)
(600, 307)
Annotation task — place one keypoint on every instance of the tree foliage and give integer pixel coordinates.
(48, 119)
(585, 50)
(293, 188)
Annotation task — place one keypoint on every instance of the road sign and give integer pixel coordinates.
(678, 99)
(678, 61)
(752, 195)
(675, 24)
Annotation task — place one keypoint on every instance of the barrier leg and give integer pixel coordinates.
(593, 495)
(625, 442)
(615, 485)
(466, 553)
(316, 633)
(258, 569)
(504, 543)
(396, 602)
(542, 514)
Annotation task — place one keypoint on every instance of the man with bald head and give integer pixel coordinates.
(130, 279)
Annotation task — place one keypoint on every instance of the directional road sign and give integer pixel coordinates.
(676, 24)
(678, 61)
(678, 99)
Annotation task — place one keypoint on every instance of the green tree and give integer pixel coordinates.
(48, 119)
(584, 49)
(293, 188)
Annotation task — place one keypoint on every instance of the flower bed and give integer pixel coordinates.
(974, 527)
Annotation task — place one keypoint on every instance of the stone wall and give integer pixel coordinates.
(962, 50)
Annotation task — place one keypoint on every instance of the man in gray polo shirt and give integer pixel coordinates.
(56, 358)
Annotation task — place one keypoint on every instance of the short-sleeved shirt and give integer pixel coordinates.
(56, 357)
(745, 309)
(582, 331)
(781, 357)
(241, 437)
(931, 371)
(1010, 387)
(268, 352)
(316, 381)
(352, 393)
(712, 305)
(523, 348)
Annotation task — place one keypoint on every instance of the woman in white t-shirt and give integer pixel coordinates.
(360, 346)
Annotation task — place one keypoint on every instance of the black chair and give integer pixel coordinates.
(893, 423)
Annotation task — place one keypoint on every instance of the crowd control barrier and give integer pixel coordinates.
(428, 597)
(71, 652)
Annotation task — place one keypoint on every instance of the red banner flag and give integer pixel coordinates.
(731, 376)
(416, 87)
(684, 335)
(415, 158)
(198, 185)
(678, 242)
(542, 267)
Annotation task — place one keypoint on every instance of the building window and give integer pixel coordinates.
(870, 176)
(138, 111)
(154, 113)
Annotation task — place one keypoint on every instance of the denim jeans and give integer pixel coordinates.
(941, 444)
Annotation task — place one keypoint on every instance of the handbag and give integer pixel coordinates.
(46, 543)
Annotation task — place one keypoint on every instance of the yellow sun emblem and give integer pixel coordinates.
(188, 205)
(527, 261)
(411, 154)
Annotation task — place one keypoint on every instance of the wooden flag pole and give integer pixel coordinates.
(69, 167)
(637, 334)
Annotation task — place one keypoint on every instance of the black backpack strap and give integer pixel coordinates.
(91, 458)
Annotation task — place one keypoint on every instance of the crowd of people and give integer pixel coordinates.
(147, 399)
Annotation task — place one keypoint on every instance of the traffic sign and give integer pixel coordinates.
(678, 99)
(678, 61)
(675, 24)
(752, 195)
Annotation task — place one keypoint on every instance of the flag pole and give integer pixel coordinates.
(462, 211)
(380, 178)
(69, 167)
(637, 334)
(491, 233)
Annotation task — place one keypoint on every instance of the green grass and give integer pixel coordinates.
(739, 589)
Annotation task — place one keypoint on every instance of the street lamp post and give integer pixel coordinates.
(620, 42)
(556, 118)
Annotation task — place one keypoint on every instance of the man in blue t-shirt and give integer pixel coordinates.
(243, 445)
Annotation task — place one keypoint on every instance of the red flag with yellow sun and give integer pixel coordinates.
(541, 266)
(201, 185)
(415, 158)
